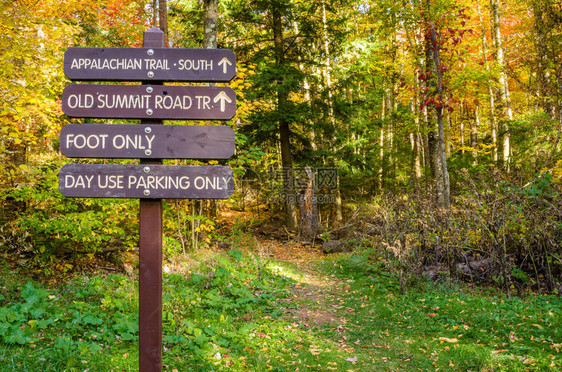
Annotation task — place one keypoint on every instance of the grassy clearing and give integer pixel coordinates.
(445, 326)
(234, 312)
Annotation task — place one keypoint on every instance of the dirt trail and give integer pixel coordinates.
(316, 295)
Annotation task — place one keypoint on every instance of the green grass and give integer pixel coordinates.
(445, 326)
(233, 314)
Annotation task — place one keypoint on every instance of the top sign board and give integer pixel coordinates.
(149, 64)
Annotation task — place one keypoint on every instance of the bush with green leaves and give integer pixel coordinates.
(92, 322)
(52, 225)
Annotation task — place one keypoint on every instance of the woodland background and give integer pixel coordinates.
(442, 118)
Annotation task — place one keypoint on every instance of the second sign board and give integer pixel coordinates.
(149, 102)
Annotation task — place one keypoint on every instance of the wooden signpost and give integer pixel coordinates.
(150, 181)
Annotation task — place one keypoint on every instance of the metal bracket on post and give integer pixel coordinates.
(150, 258)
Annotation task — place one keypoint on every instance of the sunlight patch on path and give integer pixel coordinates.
(315, 293)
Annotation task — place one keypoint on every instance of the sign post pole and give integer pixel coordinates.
(151, 181)
(150, 259)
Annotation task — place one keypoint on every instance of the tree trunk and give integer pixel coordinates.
(436, 167)
(474, 125)
(443, 184)
(211, 24)
(328, 73)
(284, 131)
(503, 84)
(308, 207)
(381, 171)
(16, 156)
(163, 20)
(543, 82)
(416, 142)
(448, 134)
(492, 113)
(155, 13)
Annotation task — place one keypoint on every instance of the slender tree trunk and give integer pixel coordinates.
(163, 19)
(328, 73)
(309, 124)
(461, 127)
(544, 87)
(491, 95)
(417, 148)
(284, 131)
(448, 134)
(381, 172)
(327, 61)
(443, 185)
(503, 83)
(474, 125)
(16, 155)
(154, 13)
(211, 24)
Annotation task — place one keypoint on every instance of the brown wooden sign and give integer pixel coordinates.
(125, 141)
(149, 102)
(146, 181)
(149, 64)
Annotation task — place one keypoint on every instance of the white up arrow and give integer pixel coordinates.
(225, 63)
(222, 96)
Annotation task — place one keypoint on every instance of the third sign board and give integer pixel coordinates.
(147, 141)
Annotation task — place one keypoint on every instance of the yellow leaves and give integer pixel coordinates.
(526, 360)
(557, 171)
(64, 267)
(446, 339)
(494, 352)
(314, 350)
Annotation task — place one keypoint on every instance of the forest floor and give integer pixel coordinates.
(268, 303)
(362, 322)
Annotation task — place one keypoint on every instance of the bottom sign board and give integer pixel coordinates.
(146, 181)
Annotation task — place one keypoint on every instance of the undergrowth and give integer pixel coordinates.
(503, 235)
(91, 323)
(234, 312)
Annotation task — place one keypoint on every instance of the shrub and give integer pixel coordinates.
(503, 234)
